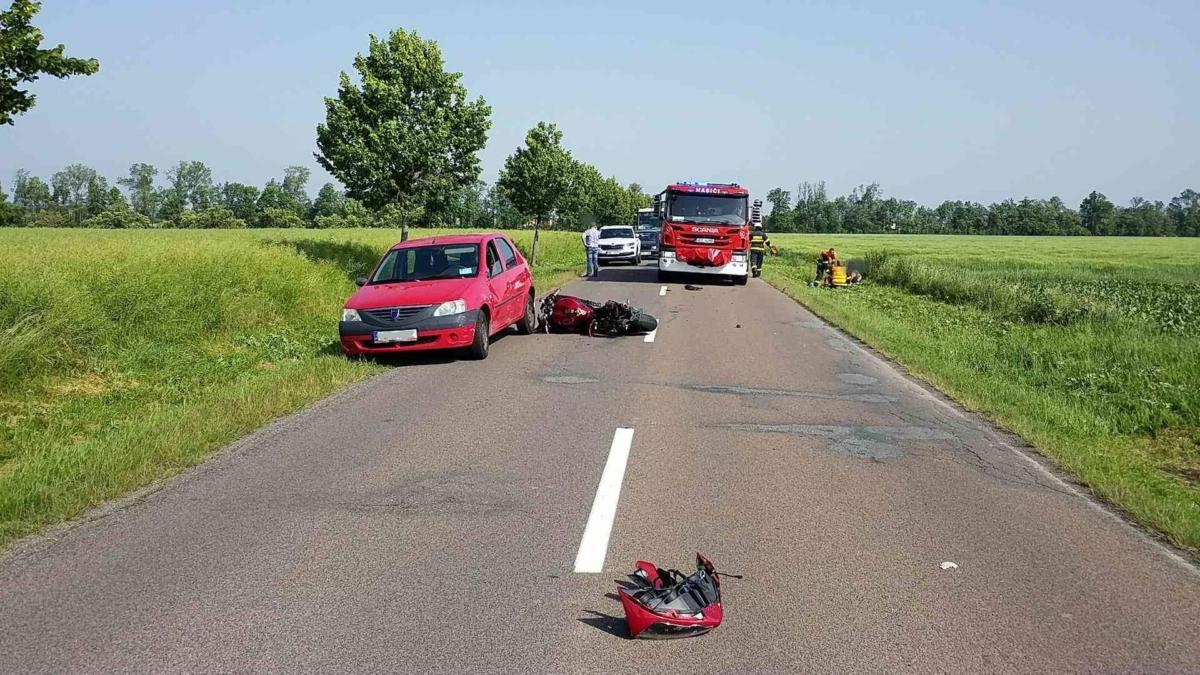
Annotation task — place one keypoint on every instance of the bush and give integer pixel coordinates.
(277, 217)
(118, 216)
(213, 218)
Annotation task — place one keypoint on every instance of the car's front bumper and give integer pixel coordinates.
(443, 332)
(618, 255)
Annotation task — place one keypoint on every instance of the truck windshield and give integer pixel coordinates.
(708, 209)
(450, 261)
(616, 233)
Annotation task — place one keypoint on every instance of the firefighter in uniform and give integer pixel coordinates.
(759, 241)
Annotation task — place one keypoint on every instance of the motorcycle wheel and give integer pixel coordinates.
(644, 323)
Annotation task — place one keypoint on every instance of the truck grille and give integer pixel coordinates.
(384, 314)
(719, 241)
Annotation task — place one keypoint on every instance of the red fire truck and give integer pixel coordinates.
(705, 230)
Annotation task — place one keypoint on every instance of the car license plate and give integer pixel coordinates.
(394, 336)
(705, 240)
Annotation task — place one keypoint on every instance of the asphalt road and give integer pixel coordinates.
(428, 520)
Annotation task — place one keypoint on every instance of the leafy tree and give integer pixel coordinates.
(295, 187)
(329, 202)
(407, 135)
(30, 192)
(10, 215)
(779, 220)
(1097, 214)
(1184, 210)
(192, 184)
(22, 60)
(71, 188)
(241, 200)
(534, 178)
(140, 183)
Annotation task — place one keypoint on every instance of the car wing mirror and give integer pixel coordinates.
(361, 281)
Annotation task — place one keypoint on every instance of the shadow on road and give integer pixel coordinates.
(613, 625)
(640, 274)
(439, 357)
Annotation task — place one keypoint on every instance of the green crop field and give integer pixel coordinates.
(1089, 348)
(126, 356)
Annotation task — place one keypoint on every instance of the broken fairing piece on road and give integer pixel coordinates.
(568, 313)
(665, 603)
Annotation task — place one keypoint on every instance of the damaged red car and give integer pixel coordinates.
(445, 292)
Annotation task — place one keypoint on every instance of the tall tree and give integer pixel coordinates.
(30, 192)
(71, 188)
(407, 135)
(1098, 215)
(534, 178)
(22, 60)
(192, 184)
(295, 186)
(140, 184)
(241, 200)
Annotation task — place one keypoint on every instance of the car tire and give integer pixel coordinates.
(529, 321)
(479, 347)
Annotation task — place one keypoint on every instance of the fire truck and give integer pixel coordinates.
(705, 230)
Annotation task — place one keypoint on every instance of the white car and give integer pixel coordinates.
(619, 243)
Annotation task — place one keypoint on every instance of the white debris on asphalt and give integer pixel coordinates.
(949, 565)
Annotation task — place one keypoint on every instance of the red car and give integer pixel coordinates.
(433, 293)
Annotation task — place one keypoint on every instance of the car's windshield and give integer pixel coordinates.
(648, 234)
(707, 209)
(647, 221)
(616, 233)
(436, 261)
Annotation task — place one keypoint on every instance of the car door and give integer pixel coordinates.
(515, 277)
(498, 288)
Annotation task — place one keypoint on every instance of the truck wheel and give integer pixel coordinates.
(479, 347)
(664, 277)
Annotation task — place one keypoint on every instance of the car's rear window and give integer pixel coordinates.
(436, 261)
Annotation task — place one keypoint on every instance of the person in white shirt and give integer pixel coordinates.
(591, 244)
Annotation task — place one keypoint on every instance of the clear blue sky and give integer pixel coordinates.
(933, 100)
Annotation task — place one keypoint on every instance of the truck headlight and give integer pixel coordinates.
(451, 308)
(350, 315)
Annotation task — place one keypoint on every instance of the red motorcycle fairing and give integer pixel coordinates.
(664, 603)
(571, 313)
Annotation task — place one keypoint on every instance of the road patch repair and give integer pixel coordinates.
(866, 442)
(798, 393)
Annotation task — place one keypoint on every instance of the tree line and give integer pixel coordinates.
(186, 196)
(865, 210)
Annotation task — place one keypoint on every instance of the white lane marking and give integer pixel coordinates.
(662, 291)
(651, 334)
(594, 545)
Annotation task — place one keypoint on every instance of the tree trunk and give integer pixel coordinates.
(537, 227)
(404, 229)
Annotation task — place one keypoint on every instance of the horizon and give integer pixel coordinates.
(945, 102)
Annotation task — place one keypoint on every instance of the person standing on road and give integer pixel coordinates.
(591, 245)
(759, 241)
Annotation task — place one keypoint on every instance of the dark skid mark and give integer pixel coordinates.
(569, 379)
(754, 391)
(867, 442)
(855, 378)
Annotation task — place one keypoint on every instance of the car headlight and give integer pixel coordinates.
(350, 315)
(451, 308)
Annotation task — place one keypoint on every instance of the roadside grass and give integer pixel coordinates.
(127, 356)
(1087, 348)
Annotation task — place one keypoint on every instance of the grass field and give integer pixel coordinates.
(1087, 348)
(127, 356)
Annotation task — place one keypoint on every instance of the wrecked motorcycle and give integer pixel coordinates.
(665, 603)
(568, 313)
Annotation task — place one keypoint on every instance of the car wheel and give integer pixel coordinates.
(529, 322)
(479, 347)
